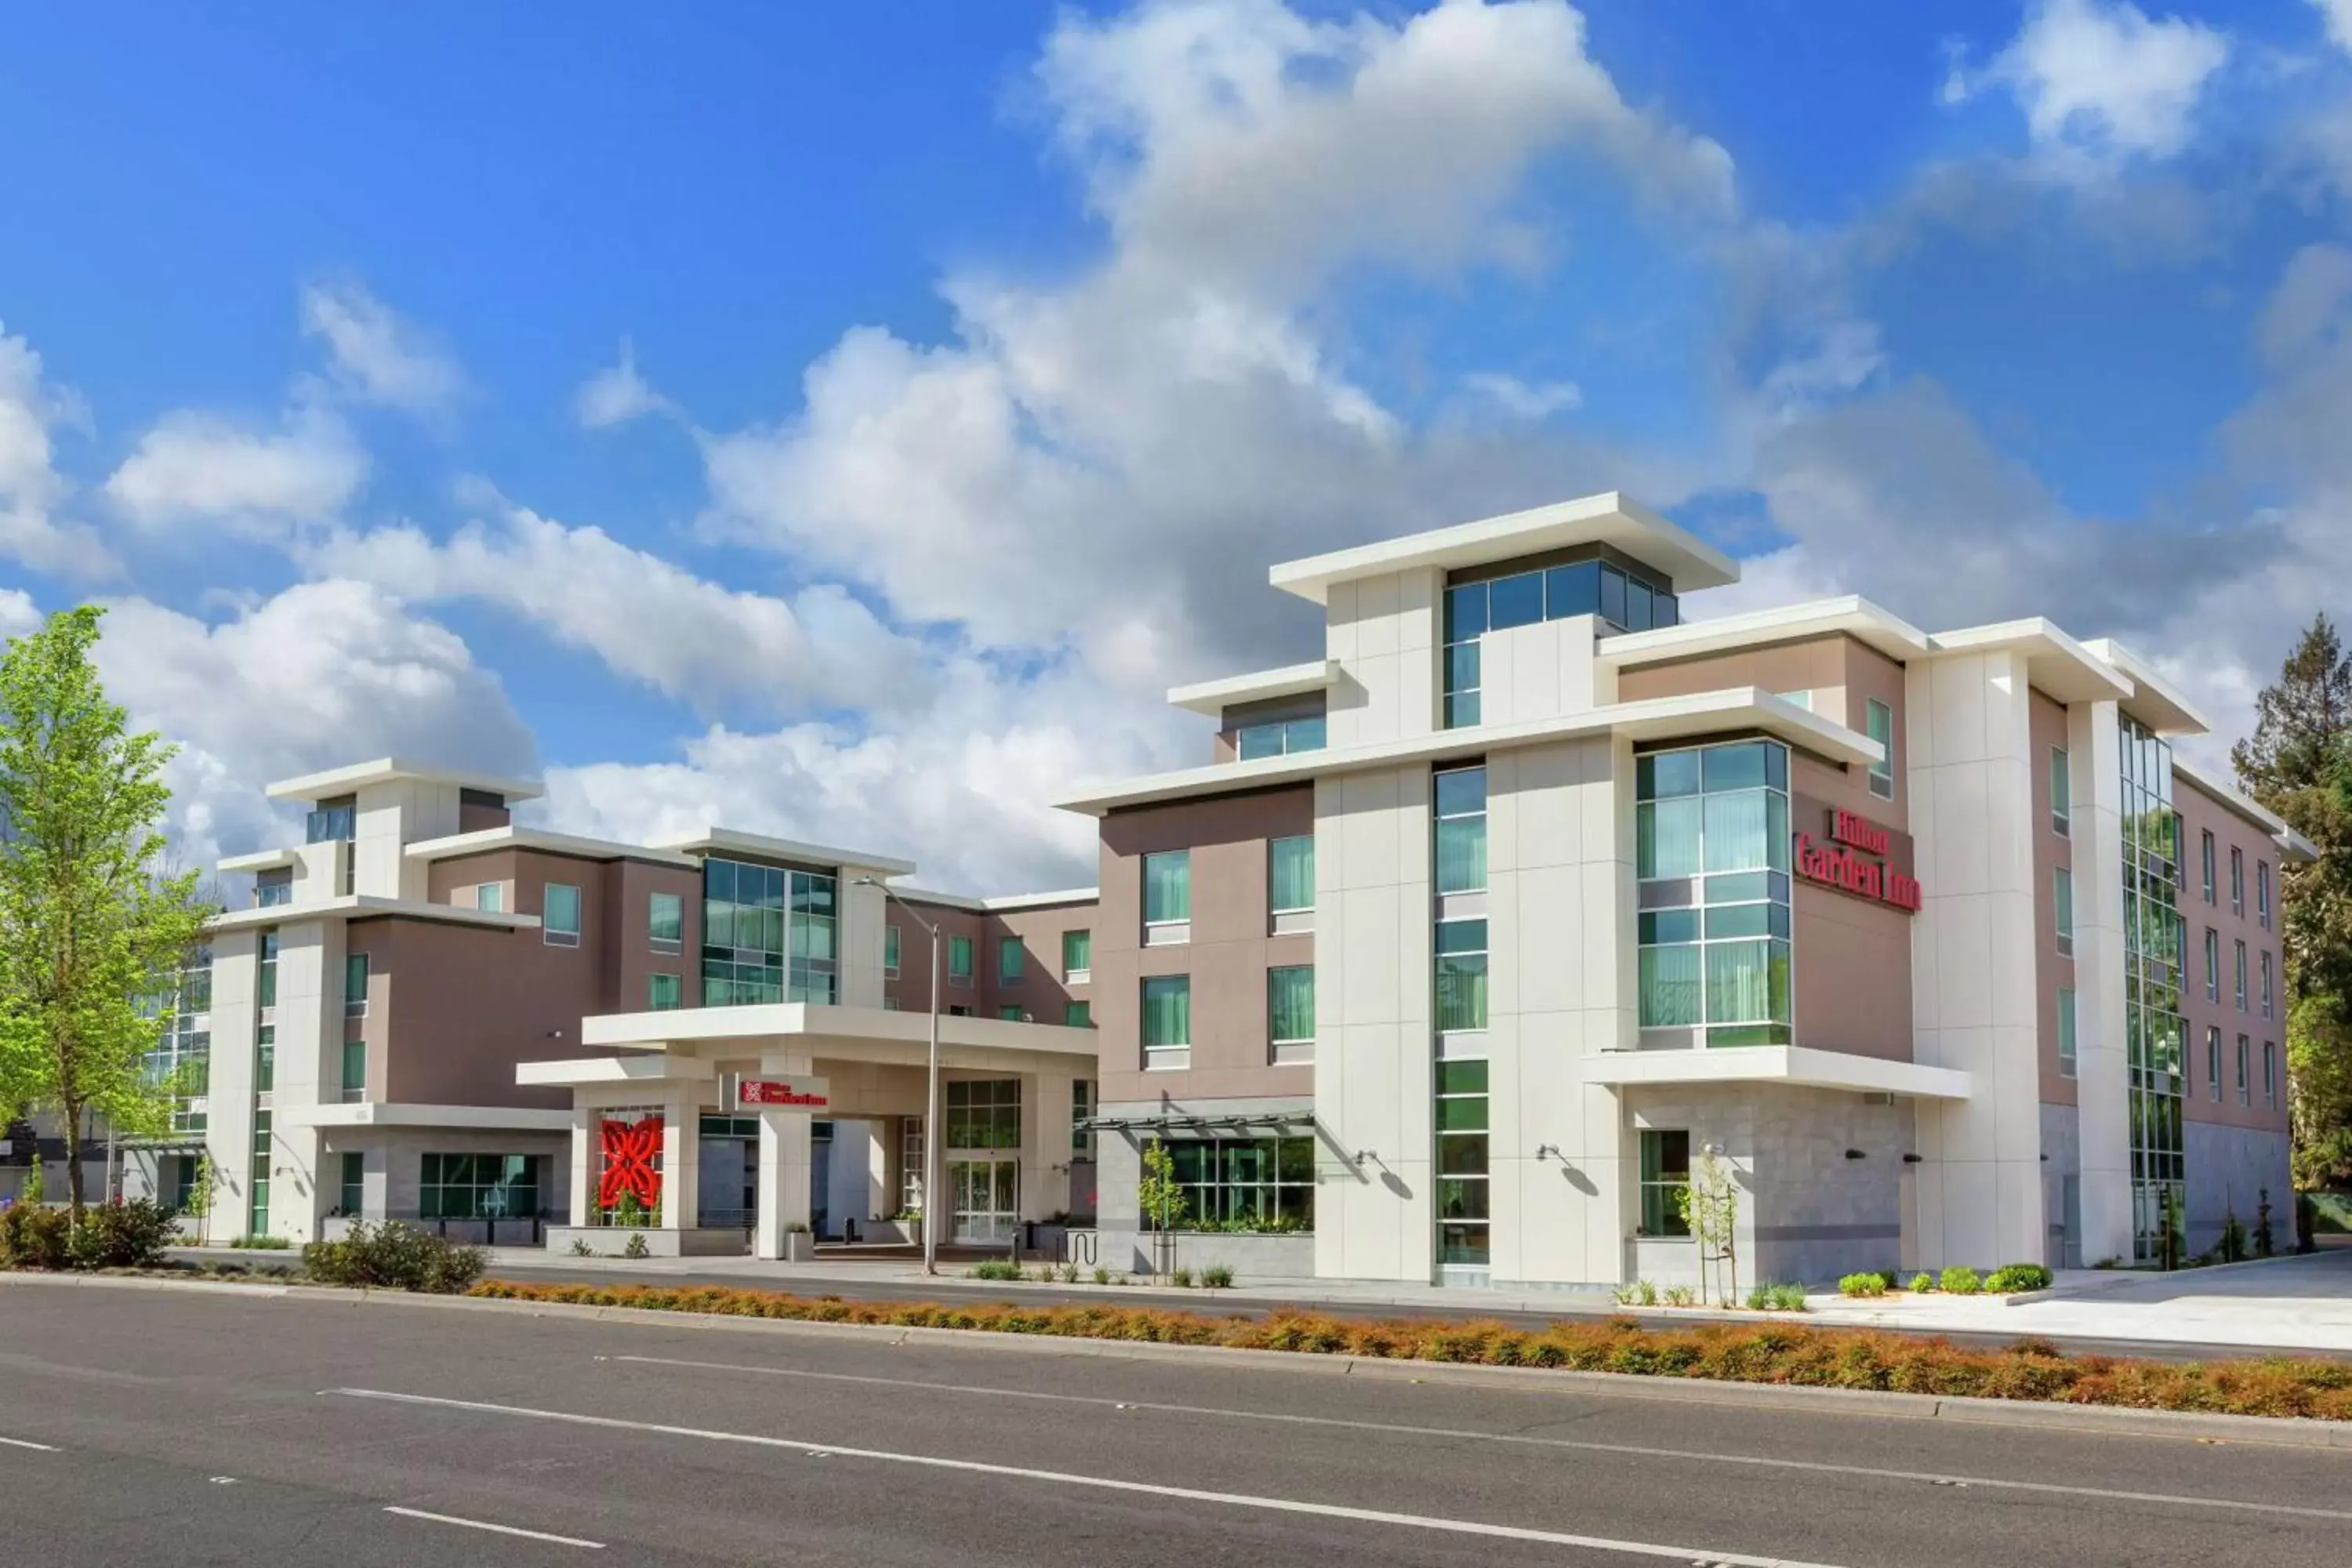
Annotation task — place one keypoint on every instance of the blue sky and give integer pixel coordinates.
(845, 421)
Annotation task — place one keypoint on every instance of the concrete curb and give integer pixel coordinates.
(2295, 1431)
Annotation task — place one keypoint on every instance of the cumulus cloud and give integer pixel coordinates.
(30, 487)
(617, 395)
(196, 465)
(376, 357)
(647, 618)
(2102, 82)
(2338, 16)
(1523, 399)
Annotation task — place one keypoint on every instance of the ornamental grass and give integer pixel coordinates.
(1772, 1352)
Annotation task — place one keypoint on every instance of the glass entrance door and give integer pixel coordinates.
(987, 1196)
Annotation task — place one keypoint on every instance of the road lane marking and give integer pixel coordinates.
(1106, 1483)
(496, 1528)
(21, 1443)
(1516, 1440)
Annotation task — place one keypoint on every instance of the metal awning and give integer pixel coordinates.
(1182, 1122)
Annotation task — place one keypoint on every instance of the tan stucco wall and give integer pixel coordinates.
(2053, 971)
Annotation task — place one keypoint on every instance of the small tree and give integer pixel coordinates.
(1709, 1203)
(36, 1190)
(1162, 1202)
(200, 1193)
(92, 930)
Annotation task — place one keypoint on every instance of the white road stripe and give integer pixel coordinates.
(1756, 1460)
(1105, 1483)
(496, 1528)
(21, 1443)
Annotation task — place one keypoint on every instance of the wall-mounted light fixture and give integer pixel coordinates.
(1855, 1154)
(1373, 1155)
(1910, 1159)
(1551, 1150)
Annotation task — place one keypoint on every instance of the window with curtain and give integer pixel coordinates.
(1167, 890)
(665, 921)
(959, 961)
(559, 916)
(1009, 960)
(1290, 874)
(1460, 808)
(663, 993)
(1078, 1014)
(1078, 954)
(1711, 834)
(1291, 1012)
(1167, 1020)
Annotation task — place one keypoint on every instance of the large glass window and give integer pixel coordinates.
(351, 1196)
(1167, 1020)
(665, 922)
(664, 993)
(1009, 960)
(1291, 1012)
(354, 1087)
(1245, 1184)
(2062, 796)
(266, 982)
(559, 917)
(1279, 737)
(1665, 1173)
(767, 934)
(355, 986)
(1167, 895)
(1290, 881)
(478, 1186)
(1082, 1110)
(2156, 1035)
(1460, 812)
(1460, 976)
(983, 1113)
(264, 1058)
(180, 1061)
(1878, 719)
(1463, 1216)
(1077, 954)
(1620, 598)
(332, 820)
(1711, 847)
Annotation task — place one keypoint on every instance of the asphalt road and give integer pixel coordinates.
(182, 1428)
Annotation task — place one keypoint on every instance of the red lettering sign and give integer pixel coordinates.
(1860, 832)
(1835, 866)
(761, 1091)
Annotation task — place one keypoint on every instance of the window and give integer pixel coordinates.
(1878, 721)
(332, 820)
(1082, 1110)
(2270, 1073)
(355, 1071)
(1279, 737)
(959, 961)
(1626, 603)
(2241, 949)
(959, 1010)
(1290, 882)
(1711, 849)
(983, 1113)
(1460, 976)
(559, 917)
(1803, 700)
(664, 993)
(2262, 892)
(1245, 1184)
(491, 897)
(355, 986)
(1168, 1021)
(890, 1004)
(2063, 906)
(2205, 849)
(1665, 1173)
(910, 1164)
(264, 1058)
(1168, 896)
(2213, 1061)
(890, 951)
(1290, 1012)
(1460, 808)
(268, 895)
(2213, 964)
(2246, 1084)
(257, 1213)
(1463, 1240)
(2237, 881)
(2266, 983)
(665, 923)
(2062, 794)
(2066, 1032)
(478, 1186)
(1011, 1012)
(266, 981)
(1008, 960)
(1078, 1014)
(352, 1198)
(1465, 618)
(767, 934)
(1078, 955)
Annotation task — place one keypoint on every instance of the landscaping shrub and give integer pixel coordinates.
(1770, 1352)
(1863, 1284)
(999, 1268)
(32, 1236)
(394, 1257)
(1959, 1280)
(1923, 1282)
(2013, 1277)
(1218, 1275)
(1767, 1297)
(1182, 1277)
(123, 1235)
(261, 1243)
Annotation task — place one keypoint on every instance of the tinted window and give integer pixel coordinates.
(1466, 611)
(1637, 605)
(1573, 590)
(1515, 601)
(1613, 596)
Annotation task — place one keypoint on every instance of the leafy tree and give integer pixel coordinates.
(92, 928)
(1157, 1191)
(1709, 1203)
(2294, 763)
(2319, 1090)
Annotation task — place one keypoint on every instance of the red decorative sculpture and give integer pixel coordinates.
(630, 1150)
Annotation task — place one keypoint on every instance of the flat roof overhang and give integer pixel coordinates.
(582, 1070)
(469, 1118)
(1796, 1065)
(1850, 615)
(864, 1034)
(1656, 719)
(2054, 662)
(364, 906)
(2155, 701)
(483, 840)
(1214, 697)
(1610, 518)
(723, 841)
(315, 788)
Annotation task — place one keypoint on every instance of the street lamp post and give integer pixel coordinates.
(932, 1089)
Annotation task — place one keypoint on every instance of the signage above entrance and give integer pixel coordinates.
(1840, 863)
(797, 1093)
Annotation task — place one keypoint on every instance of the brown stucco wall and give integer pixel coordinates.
(1853, 956)
(1230, 951)
(2053, 971)
(2200, 813)
(452, 1008)
(1040, 992)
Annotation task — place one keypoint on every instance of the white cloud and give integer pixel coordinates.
(2337, 14)
(617, 395)
(1523, 399)
(322, 674)
(194, 465)
(647, 618)
(19, 613)
(30, 486)
(377, 356)
(2101, 82)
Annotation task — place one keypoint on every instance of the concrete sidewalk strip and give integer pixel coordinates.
(2281, 1431)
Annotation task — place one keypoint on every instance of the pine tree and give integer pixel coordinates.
(2293, 764)
(92, 930)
